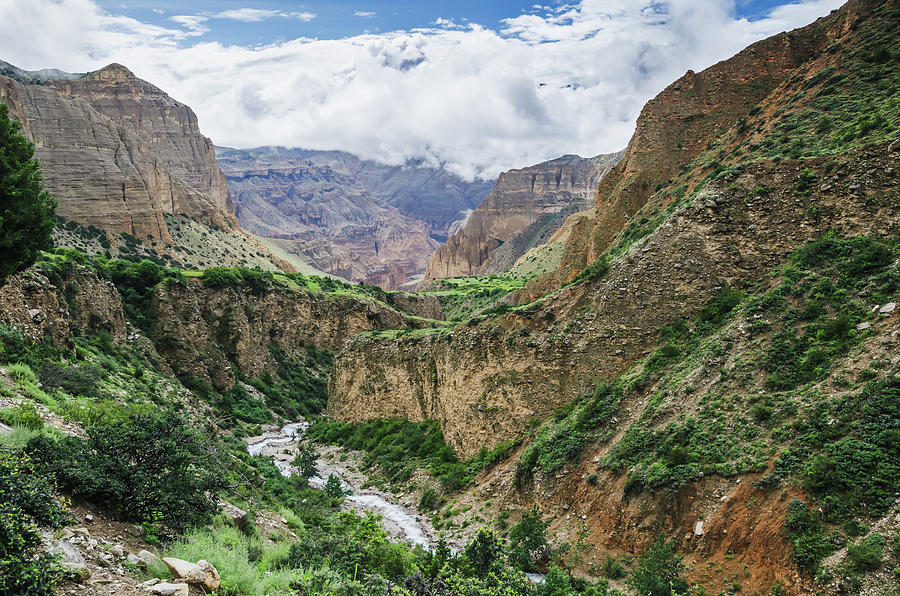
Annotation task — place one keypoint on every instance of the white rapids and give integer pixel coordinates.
(398, 520)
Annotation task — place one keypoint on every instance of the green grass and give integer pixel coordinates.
(229, 551)
(399, 447)
(464, 297)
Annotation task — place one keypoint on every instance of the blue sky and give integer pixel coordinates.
(404, 79)
(345, 18)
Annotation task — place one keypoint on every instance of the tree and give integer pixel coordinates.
(659, 570)
(306, 460)
(27, 211)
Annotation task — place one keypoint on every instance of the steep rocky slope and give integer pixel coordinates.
(118, 153)
(121, 157)
(675, 127)
(331, 222)
(486, 380)
(432, 195)
(523, 210)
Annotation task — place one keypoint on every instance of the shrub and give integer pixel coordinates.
(658, 571)
(75, 380)
(306, 459)
(612, 568)
(26, 501)
(149, 468)
(867, 555)
(527, 540)
(24, 415)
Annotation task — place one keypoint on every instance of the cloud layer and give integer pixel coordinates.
(569, 79)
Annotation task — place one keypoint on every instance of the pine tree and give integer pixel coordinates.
(27, 211)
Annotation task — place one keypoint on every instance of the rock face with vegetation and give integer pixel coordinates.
(118, 153)
(330, 221)
(523, 210)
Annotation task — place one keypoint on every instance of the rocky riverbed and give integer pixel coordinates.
(400, 521)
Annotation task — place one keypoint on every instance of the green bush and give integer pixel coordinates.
(528, 542)
(148, 468)
(24, 415)
(26, 502)
(867, 555)
(658, 571)
(75, 380)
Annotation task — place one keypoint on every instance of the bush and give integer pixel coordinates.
(148, 468)
(658, 571)
(527, 540)
(26, 501)
(75, 380)
(27, 211)
(24, 415)
(867, 555)
(612, 568)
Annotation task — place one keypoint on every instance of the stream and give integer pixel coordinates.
(399, 521)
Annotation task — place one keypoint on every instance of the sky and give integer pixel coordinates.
(476, 87)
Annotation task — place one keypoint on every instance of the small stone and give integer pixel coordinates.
(134, 560)
(150, 582)
(863, 326)
(88, 518)
(35, 315)
(698, 528)
(81, 532)
(167, 589)
(117, 550)
(889, 307)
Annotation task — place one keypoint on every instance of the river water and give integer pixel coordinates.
(397, 520)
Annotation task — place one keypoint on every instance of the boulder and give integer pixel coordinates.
(202, 572)
(146, 558)
(236, 515)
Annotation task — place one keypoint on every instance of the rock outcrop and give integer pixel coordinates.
(117, 152)
(331, 222)
(523, 210)
(41, 310)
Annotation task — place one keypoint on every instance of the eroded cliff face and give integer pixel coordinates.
(207, 333)
(40, 310)
(524, 209)
(484, 383)
(118, 153)
(331, 222)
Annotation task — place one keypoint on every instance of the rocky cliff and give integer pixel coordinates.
(207, 334)
(523, 210)
(431, 195)
(330, 220)
(117, 152)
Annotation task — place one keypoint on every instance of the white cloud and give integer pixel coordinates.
(193, 23)
(446, 23)
(247, 15)
(366, 14)
(571, 79)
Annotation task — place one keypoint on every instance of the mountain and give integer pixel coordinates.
(357, 219)
(523, 210)
(125, 160)
(432, 195)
